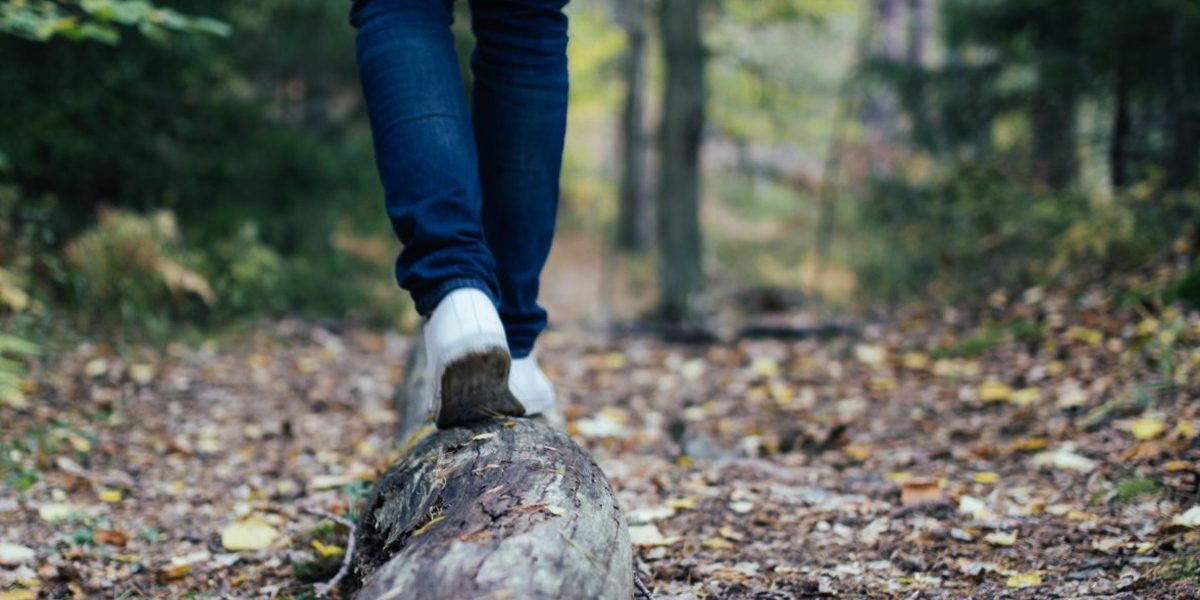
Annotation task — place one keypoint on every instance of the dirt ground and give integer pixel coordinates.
(1045, 447)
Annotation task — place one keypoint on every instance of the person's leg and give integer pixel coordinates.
(425, 151)
(424, 147)
(520, 114)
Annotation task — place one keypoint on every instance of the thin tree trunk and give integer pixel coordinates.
(1183, 117)
(1117, 149)
(678, 215)
(634, 220)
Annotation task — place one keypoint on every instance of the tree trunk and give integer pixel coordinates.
(634, 219)
(505, 508)
(1183, 116)
(678, 215)
(1119, 140)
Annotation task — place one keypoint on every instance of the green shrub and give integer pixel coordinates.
(131, 269)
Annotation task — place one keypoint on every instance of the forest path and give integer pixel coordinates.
(1056, 460)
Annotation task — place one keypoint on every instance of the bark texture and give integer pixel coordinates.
(506, 508)
(678, 217)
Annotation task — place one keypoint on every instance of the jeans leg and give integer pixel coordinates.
(424, 147)
(520, 112)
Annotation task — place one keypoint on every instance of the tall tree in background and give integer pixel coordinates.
(634, 220)
(678, 214)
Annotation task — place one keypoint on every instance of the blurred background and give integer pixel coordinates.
(183, 164)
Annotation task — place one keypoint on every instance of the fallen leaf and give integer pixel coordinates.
(764, 367)
(1031, 444)
(19, 595)
(141, 373)
(1147, 429)
(986, 477)
(1001, 538)
(976, 508)
(95, 367)
(1026, 396)
(1065, 459)
(1023, 580)
(870, 355)
(687, 503)
(1189, 518)
(741, 507)
(12, 555)
(649, 535)
(923, 489)
(110, 496)
(328, 482)
(482, 436)
(650, 514)
(248, 535)
(716, 543)
(54, 512)
(994, 391)
(327, 550)
(557, 511)
(110, 537)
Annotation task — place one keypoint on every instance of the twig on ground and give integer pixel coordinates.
(322, 589)
(642, 591)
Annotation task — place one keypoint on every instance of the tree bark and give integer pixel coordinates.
(506, 508)
(634, 218)
(678, 215)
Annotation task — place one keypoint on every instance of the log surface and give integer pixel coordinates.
(507, 508)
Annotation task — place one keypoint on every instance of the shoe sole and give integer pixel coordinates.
(475, 388)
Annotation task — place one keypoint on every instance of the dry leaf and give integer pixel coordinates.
(19, 595)
(1023, 580)
(110, 496)
(649, 535)
(1189, 518)
(920, 490)
(994, 391)
(1026, 396)
(54, 512)
(1065, 459)
(986, 477)
(1147, 429)
(249, 534)
(870, 355)
(716, 543)
(327, 550)
(12, 555)
(1001, 538)
(110, 537)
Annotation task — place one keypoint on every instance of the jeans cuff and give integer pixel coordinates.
(428, 301)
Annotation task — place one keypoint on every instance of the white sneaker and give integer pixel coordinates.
(531, 386)
(467, 354)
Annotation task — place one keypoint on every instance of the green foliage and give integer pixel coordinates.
(133, 270)
(1132, 490)
(99, 20)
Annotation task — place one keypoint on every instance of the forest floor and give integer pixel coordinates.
(1046, 447)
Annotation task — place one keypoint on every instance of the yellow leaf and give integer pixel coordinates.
(1147, 428)
(1090, 337)
(687, 503)
(80, 443)
(764, 367)
(1185, 430)
(1022, 580)
(900, 477)
(916, 361)
(328, 482)
(986, 477)
(994, 391)
(19, 595)
(1032, 444)
(250, 534)
(327, 550)
(859, 452)
(110, 496)
(1001, 538)
(649, 535)
(1026, 396)
(482, 436)
(717, 543)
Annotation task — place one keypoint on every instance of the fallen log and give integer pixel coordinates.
(504, 508)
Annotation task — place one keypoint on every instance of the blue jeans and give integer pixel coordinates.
(472, 197)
